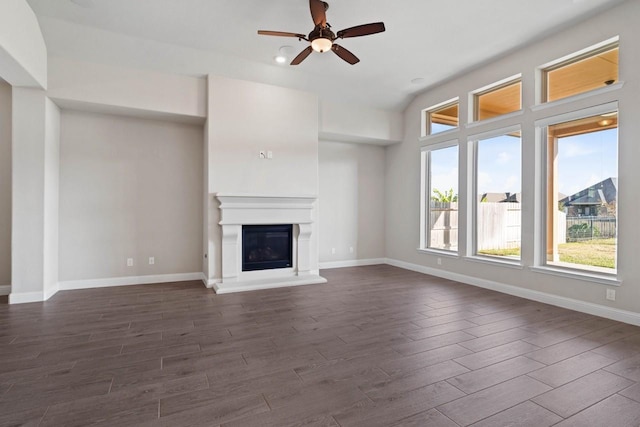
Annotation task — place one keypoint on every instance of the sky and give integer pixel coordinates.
(444, 169)
(499, 162)
(583, 160)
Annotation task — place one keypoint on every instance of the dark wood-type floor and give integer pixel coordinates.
(376, 346)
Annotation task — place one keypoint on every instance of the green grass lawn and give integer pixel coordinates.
(596, 253)
(501, 252)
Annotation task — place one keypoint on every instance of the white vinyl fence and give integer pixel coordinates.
(444, 225)
(499, 225)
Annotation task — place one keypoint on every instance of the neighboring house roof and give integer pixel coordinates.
(501, 197)
(602, 193)
(514, 198)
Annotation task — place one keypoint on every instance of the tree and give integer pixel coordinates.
(444, 197)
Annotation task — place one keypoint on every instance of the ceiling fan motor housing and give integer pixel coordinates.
(322, 33)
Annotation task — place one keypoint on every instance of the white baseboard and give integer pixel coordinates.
(5, 290)
(351, 263)
(564, 302)
(25, 297)
(127, 281)
(209, 283)
(48, 293)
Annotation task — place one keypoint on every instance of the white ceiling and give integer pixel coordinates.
(427, 39)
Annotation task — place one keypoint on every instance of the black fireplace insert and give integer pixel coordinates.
(266, 247)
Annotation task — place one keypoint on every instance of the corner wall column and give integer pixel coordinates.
(35, 157)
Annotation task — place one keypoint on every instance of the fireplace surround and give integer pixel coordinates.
(238, 210)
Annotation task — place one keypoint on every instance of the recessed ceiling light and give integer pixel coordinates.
(83, 3)
(417, 81)
(283, 54)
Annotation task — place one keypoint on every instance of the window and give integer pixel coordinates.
(582, 73)
(441, 118)
(498, 196)
(582, 193)
(441, 198)
(498, 100)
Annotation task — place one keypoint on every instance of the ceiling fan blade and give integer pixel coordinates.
(361, 30)
(302, 56)
(318, 12)
(281, 34)
(345, 54)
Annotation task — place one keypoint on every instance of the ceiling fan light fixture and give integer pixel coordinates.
(321, 44)
(321, 39)
(280, 59)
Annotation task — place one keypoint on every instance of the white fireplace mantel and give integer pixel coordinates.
(248, 209)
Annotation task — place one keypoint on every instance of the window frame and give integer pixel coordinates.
(500, 84)
(425, 121)
(588, 52)
(425, 195)
(531, 121)
(541, 205)
(472, 196)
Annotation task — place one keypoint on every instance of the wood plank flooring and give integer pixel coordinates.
(376, 346)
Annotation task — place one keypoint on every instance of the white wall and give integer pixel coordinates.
(352, 202)
(245, 118)
(206, 201)
(403, 162)
(23, 54)
(129, 188)
(5, 184)
(357, 123)
(107, 88)
(51, 188)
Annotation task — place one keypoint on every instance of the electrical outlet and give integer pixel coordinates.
(269, 154)
(129, 262)
(439, 261)
(333, 251)
(351, 249)
(152, 260)
(611, 294)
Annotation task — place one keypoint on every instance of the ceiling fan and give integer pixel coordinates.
(323, 39)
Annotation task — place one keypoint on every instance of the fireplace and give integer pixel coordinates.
(290, 241)
(266, 247)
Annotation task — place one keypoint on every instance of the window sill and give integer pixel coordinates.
(439, 252)
(603, 279)
(580, 96)
(493, 120)
(437, 136)
(515, 264)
